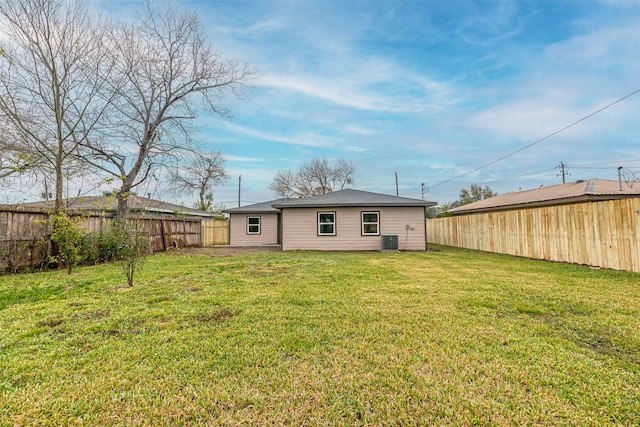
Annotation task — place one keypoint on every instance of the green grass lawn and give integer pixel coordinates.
(448, 337)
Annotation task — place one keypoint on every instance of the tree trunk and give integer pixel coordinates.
(59, 205)
(123, 206)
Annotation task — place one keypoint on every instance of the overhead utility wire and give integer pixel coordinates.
(593, 167)
(617, 162)
(520, 176)
(541, 139)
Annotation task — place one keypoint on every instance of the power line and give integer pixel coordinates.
(540, 140)
(594, 167)
(616, 162)
(520, 176)
(586, 167)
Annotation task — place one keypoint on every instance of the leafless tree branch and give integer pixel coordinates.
(314, 177)
(165, 66)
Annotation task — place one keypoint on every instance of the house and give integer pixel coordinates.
(342, 220)
(136, 204)
(255, 225)
(594, 222)
(590, 190)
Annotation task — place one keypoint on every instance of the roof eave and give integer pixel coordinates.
(339, 205)
(257, 211)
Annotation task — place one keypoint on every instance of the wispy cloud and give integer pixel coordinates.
(309, 140)
(325, 90)
(244, 159)
(428, 89)
(490, 22)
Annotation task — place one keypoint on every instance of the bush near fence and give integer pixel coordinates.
(25, 234)
(601, 234)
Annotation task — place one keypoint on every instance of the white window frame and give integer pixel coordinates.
(333, 223)
(249, 225)
(363, 223)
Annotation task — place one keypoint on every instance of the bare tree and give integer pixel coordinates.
(16, 159)
(166, 68)
(314, 177)
(201, 175)
(52, 68)
(475, 193)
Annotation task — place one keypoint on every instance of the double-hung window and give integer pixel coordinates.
(326, 223)
(370, 223)
(253, 225)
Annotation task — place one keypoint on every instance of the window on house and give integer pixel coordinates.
(370, 223)
(326, 223)
(253, 225)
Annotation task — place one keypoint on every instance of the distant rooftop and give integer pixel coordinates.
(109, 203)
(573, 192)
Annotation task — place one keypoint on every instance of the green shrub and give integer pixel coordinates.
(69, 240)
(134, 250)
(127, 242)
(111, 242)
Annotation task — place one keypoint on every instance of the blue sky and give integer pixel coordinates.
(428, 89)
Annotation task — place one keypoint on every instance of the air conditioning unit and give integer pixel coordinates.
(389, 242)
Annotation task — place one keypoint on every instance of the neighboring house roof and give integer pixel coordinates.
(347, 197)
(109, 203)
(574, 192)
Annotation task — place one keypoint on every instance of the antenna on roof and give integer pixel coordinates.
(396, 183)
(620, 177)
(629, 177)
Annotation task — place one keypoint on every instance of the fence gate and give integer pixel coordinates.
(215, 232)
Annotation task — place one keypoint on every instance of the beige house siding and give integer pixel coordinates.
(300, 228)
(268, 230)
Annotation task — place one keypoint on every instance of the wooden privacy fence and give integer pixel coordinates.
(602, 234)
(172, 232)
(23, 239)
(24, 234)
(215, 232)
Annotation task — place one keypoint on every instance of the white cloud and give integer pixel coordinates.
(310, 139)
(233, 158)
(570, 80)
(325, 90)
(500, 21)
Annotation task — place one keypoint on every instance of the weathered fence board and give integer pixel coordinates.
(215, 232)
(172, 232)
(602, 234)
(24, 234)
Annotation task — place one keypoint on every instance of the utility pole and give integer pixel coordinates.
(239, 186)
(423, 187)
(563, 171)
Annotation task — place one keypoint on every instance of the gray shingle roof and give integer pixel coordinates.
(573, 192)
(263, 207)
(352, 197)
(347, 197)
